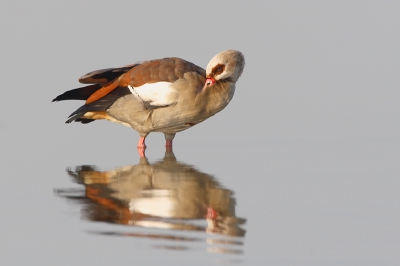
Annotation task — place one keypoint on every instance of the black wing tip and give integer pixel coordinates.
(74, 116)
(78, 118)
(61, 97)
(82, 93)
(84, 120)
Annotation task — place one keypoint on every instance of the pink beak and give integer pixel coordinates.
(209, 82)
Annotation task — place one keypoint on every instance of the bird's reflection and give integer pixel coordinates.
(167, 194)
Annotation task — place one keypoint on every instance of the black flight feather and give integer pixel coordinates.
(101, 105)
(82, 93)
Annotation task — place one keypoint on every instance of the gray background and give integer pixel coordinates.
(310, 143)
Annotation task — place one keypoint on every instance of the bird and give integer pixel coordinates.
(165, 95)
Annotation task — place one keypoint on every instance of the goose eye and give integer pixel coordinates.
(218, 69)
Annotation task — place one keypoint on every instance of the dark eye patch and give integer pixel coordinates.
(218, 69)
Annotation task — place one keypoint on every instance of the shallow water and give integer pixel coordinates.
(321, 201)
(167, 195)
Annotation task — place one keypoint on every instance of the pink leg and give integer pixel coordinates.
(168, 143)
(141, 143)
(141, 152)
(211, 213)
(141, 147)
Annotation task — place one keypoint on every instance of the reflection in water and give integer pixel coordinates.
(165, 195)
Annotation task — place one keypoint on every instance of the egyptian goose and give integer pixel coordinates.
(163, 95)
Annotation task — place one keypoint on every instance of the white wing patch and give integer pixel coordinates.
(156, 94)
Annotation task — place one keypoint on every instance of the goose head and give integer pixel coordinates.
(226, 66)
